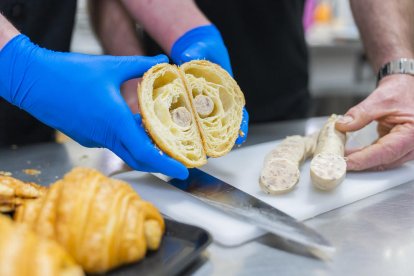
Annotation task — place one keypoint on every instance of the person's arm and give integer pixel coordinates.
(166, 21)
(114, 28)
(181, 29)
(116, 31)
(7, 31)
(387, 31)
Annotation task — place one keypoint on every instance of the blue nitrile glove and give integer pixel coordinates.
(205, 42)
(80, 96)
(244, 128)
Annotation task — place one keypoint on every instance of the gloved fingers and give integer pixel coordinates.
(203, 42)
(194, 51)
(244, 127)
(141, 147)
(126, 156)
(129, 67)
(158, 160)
(138, 119)
(86, 142)
(227, 66)
(201, 51)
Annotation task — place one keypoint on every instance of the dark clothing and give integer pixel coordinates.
(48, 23)
(268, 53)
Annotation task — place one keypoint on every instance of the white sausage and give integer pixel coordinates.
(280, 172)
(328, 166)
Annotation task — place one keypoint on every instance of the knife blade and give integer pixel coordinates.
(237, 203)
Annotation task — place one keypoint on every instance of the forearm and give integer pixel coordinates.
(7, 31)
(114, 28)
(164, 20)
(387, 29)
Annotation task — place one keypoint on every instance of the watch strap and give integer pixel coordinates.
(398, 66)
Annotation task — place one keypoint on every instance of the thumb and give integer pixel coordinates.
(129, 67)
(195, 51)
(356, 118)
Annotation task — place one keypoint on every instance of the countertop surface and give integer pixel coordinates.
(374, 236)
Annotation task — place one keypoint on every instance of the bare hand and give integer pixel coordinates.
(392, 106)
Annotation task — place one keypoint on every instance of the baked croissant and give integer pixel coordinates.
(14, 192)
(101, 222)
(217, 103)
(22, 253)
(191, 111)
(167, 114)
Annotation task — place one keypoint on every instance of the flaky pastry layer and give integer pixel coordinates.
(191, 111)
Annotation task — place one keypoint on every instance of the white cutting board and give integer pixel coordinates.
(241, 168)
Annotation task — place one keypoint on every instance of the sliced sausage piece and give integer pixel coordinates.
(328, 166)
(280, 171)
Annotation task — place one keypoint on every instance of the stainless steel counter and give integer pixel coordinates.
(374, 236)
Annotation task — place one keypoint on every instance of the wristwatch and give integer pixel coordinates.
(398, 66)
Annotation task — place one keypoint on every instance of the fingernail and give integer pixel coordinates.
(345, 119)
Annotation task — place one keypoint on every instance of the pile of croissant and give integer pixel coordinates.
(83, 222)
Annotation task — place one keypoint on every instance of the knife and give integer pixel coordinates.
(235, 202)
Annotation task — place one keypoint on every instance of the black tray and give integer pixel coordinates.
(182, 244)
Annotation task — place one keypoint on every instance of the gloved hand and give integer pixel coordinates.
(205, 42)
(80, 96)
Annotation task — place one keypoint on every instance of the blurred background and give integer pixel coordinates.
(340, 76)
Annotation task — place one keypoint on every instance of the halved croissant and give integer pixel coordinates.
(22, 252)
(101, 222)
(167, 115)
(217, 103)
(192, 111)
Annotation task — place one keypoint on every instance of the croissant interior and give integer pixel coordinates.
(101, 222)
(167, 114)
(191, 111)
(22, 252)
(210, 83)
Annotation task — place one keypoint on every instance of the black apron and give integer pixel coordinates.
(48, 23)
(268, 53)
